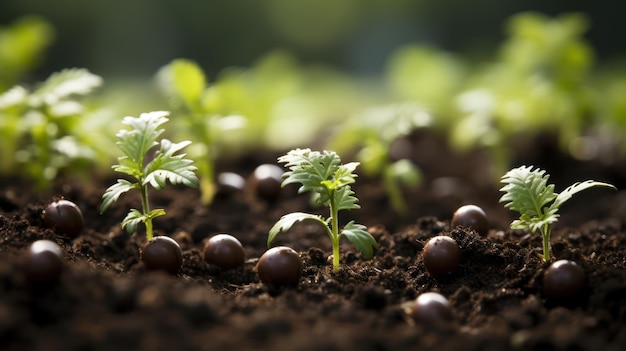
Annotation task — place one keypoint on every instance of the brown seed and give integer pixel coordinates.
(43, 262)
(280, 266)
(162, 253)
(64, 217)
(563, 279)
(431, 307)
(267, 180)
(441, 255)
(473, 217)
(224, 251)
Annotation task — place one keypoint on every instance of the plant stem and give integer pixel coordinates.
(395, 195)
(146, 210)
(545, 234)
(334, 214)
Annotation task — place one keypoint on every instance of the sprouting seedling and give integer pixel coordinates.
(527, 191)
(323, 174)
(372, 133)
(164, 166)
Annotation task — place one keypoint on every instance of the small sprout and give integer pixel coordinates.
(224, 251)
(323, 174)
(164, 166)
(429, 308)
(280, 266)
(266, 181)
(64, 217)
(43, 262)
(563, 279)
(472, 217)
(527, 191)
(441, 255)
(162, 253)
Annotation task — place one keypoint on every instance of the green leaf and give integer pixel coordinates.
(114, 191)
(362, 240)
(344, 199)
(527, 192)
(135, 143)
(167, 166)
(405, 171)
(188, 81)
(309, 168)
(65, 83)
(132, 219)
(287, 221)
(576, 188)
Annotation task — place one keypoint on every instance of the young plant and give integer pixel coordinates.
(147, 171)
(323, 174)
(184, 82)
(43, 131)
(527, 191)
(372, 133)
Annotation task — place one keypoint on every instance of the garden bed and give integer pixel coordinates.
(106, 300)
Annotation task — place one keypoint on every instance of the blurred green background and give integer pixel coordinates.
(134, 38)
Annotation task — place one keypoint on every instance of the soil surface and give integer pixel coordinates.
(106, 300)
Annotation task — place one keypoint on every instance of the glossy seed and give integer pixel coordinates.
(267, 179)
(431, 307)
(563, 279)
(64, 217)
(224, 251)
(43, 262)
(473, 217)
(280, 266)
(162, 253)
(441, 255)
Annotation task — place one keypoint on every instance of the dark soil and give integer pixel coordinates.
(106, 300)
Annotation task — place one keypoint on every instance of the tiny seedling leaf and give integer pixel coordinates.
(362, 240)
(287, 221)
(114, 191)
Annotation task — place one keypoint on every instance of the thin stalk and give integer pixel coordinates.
(146, 210)
(545, 234)
(334, 216)
(395, 195)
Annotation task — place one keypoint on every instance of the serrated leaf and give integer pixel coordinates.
(65, 83)
(344, 199)
(132, 220)
(135, 143)
(576, 188)
(114, 191)
(287, 221)
(167, 166)
(362, 240)
(527, 191)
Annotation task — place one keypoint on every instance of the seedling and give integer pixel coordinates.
(155, 172)
(372, 133)
(527, 191)
(323, 174)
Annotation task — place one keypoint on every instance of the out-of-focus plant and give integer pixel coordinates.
(426, 75)
(372, 133)
(47, 129)
(186, 85)
(21, 48)
(539, 83)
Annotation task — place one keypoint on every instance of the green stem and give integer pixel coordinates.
(395, 195)
(146, 210)
(334, 216)
(545, 233)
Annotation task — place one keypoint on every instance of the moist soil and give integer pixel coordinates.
(106, 299)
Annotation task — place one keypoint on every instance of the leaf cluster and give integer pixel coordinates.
(165, 165)
(43, 130)
(527, 191)
(322, 174)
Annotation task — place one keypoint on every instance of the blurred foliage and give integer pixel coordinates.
(372, 133)
(22, 45)
(50, 129)
(542, 77)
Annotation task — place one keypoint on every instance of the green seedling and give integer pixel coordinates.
(185, 83)
(372, 134)
(147, 171)
(527, 191)
(43, 131)
(323, 174)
